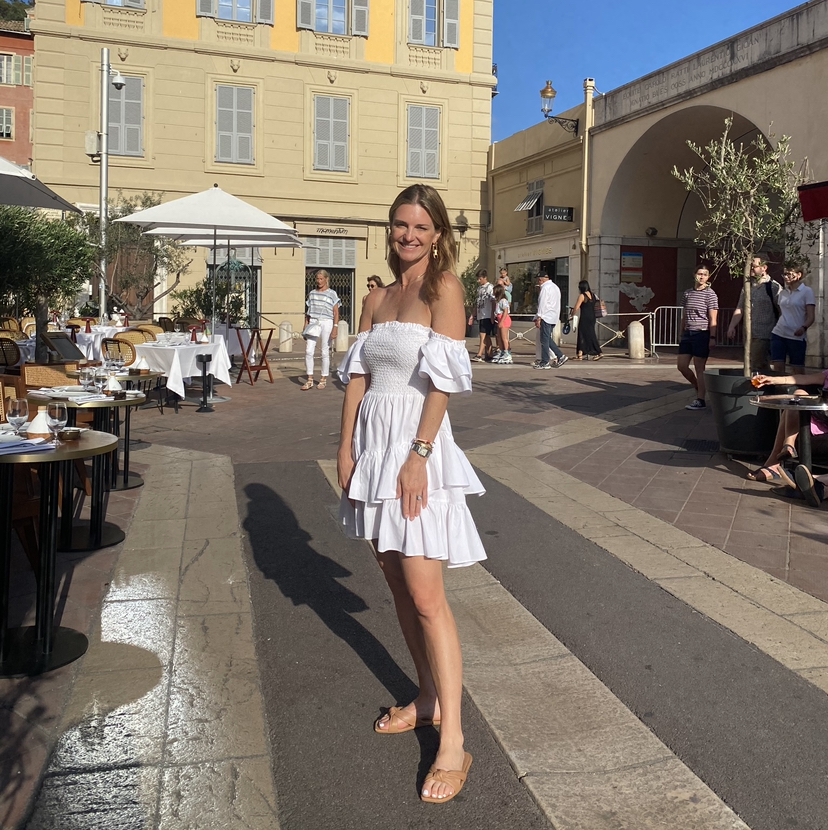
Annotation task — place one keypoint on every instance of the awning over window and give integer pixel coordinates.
(530, 201)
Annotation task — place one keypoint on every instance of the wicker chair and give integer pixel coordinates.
(30, 329)
(186, 322)
(124, 347)
(9, 323)
(166, 323)
(9, 353)
(132, 336)
(150, 329)
(76, 321)
(25, 321)
(14, 334)
(36, 375)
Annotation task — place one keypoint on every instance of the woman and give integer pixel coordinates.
(698, 322)
(503, 322)
(404, 480)
(585, 312)
(784, 447)
(374, 282)
(323, 307)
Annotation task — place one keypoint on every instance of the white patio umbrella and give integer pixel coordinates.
(20, 187)
(214, 219)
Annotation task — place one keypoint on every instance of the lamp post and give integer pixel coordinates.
(547, 95)
(117, 80)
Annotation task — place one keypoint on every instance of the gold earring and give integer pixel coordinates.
(434, 253)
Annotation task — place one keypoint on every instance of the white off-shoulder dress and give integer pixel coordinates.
(401, 359)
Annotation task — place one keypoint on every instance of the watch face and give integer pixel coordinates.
(421, 450)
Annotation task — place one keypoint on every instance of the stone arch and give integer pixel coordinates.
(645, 195)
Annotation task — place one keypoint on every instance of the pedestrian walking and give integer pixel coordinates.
(404, 480)
(698, 324)
(503, 322)
(549, 312)
(797, 308)
(583, 316)
(374, 282)
(321, 319)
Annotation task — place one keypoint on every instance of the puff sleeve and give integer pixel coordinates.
(445, 362)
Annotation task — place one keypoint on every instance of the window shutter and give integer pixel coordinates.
(206, 8)
(416, 21)
(322, 133)
(244, 125)
(350, 252)
(134, 4)
(264, 11)
(339, 134)
(304, 14)
(133, 123)
(28, 63)
(359, 18)
(225, 121)
(431, 143)
(116, 120)
(451, 24)
(17, 70)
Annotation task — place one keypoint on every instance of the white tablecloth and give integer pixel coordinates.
(178, 363)
(90, 344)
(231, 339)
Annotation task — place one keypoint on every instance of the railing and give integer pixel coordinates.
(665, 327)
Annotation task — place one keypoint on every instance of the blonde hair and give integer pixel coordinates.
(443, 257)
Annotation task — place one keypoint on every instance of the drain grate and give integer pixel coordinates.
(697, 445)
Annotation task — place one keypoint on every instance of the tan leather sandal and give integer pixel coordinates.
(322, 383)
(308, 384)
(409, 722)
(453, 777)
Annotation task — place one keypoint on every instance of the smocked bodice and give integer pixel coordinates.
(392, 355)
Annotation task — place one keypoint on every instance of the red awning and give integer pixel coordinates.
(814, 201)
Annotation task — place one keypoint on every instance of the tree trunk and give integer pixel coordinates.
(747, 322)
(41, 314)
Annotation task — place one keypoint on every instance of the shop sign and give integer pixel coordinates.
(551, 213)
(335, 231)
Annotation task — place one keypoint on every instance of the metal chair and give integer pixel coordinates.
(166, 324)
(132, 336)
(123, 347)
(9, 353)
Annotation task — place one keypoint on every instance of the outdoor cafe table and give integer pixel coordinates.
(179, 362)
(40, 648)
(87, 535)
(804, 405)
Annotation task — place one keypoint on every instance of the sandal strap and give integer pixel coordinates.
(401, 714)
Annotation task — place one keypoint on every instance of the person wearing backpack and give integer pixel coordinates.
(764, 312)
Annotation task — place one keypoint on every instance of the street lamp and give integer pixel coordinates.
(547, 95)
(108, 75)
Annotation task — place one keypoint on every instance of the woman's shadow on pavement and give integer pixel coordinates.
(283, 552)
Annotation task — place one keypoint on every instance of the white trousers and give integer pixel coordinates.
(310, 347)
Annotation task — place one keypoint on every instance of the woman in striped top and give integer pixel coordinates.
(323, 307)
(698, 324)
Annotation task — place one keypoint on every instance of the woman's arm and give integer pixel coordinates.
(447, 318)
(712, 320)
(810, 314)
(578, 304)
(814, 379)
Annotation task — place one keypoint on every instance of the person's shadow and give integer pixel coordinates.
(310, 578)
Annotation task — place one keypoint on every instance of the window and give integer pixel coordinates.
(129, 4)
(434, 23)
(235, 10)
(126, 118)
(534, 219)
(423, 142)
(331, 133)
(234, 124)
(238, 10)
(6, 115)
(11, 70)
(333, 16)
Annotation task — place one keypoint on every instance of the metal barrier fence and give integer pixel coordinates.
(665, 327)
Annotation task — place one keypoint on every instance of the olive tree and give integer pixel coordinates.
(43, 263)
(751, 205)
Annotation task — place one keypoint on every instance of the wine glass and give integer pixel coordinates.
(100, 379)
(86, 376)
(18, 413)
(56, 417)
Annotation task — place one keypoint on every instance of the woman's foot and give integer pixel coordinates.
(447, 774)
(406, 718)
(308, 384)
(322, 383)
(769, 475)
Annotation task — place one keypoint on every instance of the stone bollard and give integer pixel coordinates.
(635, 340)
(286, 336)
(342, 335)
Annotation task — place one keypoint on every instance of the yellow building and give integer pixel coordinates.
(316, 111)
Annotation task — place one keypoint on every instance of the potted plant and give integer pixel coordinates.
(749, 194)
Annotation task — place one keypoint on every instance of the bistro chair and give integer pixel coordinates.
(187, 322)
(150, 329)
(166, 324)
(13, 334)
(25, 321)
(75, 321)
(9, 355)
(133, 336)
(9, 323)
(36, 375)
(123, 347)
(30, 329)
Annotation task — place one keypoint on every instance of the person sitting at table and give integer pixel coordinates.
(784, 446)
(807, 486)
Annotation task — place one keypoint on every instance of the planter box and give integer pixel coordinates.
(743, 429)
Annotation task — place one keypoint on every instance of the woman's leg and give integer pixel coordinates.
(425, 704)
(683, 365)
(325, 345)
(424, 581)
(310, 346)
